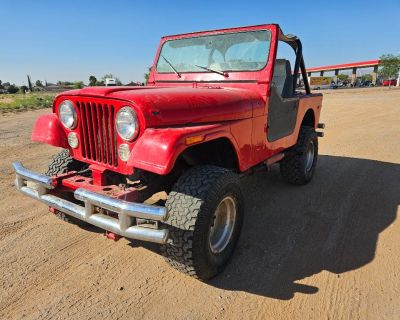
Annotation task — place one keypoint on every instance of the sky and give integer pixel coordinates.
(71, 40)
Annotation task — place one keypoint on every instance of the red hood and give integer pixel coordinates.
(163, 106)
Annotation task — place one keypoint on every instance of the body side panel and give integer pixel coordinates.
(305, 103)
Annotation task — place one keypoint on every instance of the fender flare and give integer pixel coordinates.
(158, 148)
(48, 129)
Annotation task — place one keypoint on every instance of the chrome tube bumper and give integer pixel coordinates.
(127, 211)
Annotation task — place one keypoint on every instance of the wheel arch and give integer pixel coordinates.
(309, 119)
(219, 152)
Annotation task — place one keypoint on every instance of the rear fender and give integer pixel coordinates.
(157, 149)
(48, 129)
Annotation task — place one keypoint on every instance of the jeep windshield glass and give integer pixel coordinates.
(241, 51)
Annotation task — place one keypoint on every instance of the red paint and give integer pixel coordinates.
(89, 108)
(369, 63)
(48, 129)
(112, 236)
(158, 148)
(98, 174)
(170, 109)
(387, 83)
(76, 181)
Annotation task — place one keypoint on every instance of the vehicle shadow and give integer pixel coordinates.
(293, 232)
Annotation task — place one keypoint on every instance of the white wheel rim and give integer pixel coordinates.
(223, 224)
(310, 156)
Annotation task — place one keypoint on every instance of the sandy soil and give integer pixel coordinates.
(328, 250)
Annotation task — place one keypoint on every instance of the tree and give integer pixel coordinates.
(12, 89)
(389, 66)
(343, 77)
(146, 75)
(1, 85)
(92, 81)
(38, 83)
(366, 77)
(78, 85)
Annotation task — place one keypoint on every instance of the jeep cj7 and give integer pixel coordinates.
(163, 163)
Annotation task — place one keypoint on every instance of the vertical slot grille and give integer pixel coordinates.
(97, 132)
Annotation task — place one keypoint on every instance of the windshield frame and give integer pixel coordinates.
(267, 57)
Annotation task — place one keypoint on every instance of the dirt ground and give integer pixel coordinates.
(328, 250)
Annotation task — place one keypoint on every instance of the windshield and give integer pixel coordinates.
(241, 51)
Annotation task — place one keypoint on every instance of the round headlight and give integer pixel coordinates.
(127, 124)
(67, 114)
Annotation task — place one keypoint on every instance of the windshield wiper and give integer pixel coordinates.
(172, 67)
(212, 70)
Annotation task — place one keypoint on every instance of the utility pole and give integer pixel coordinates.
(29, 83)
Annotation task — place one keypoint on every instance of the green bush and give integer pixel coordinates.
(12, 89)
(78, 85)
(22, 102)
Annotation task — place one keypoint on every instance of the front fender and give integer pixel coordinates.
(48, 129)
(157, 149)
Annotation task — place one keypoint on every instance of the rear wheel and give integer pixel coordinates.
(205, 216)
(62, 163)
(298, 167)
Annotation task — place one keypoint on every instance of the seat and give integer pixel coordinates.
(282, 78)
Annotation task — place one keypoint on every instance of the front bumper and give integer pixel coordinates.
(40, 187)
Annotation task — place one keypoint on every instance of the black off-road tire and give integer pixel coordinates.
(191, 205)
(293, 166)
(62, 163)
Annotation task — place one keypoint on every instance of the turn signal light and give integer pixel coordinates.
(73, 140)
(194, 139)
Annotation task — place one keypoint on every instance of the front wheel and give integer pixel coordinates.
(205, 217)
(298, 166)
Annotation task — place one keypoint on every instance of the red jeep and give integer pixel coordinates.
(163, 163)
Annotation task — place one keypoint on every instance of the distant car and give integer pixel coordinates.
(387, 83)
(110, 82)
(340, 84)
(318, 83)
(368, 83)
(333, 85)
